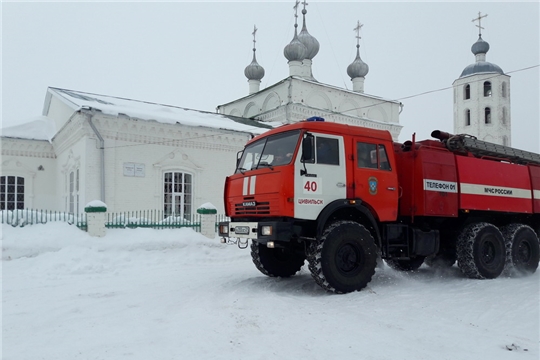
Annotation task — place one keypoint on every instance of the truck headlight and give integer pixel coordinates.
(224, 229)
(266, 230)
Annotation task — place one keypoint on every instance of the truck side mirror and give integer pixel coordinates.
(307, 149)
(239, 157)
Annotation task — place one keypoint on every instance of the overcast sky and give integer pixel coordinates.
(193, 54)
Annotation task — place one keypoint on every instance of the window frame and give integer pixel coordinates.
(18, 191)
(179, 201)
(467, 92)
(488, 89)
(379, 150)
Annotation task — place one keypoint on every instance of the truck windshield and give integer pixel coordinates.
(270, 151)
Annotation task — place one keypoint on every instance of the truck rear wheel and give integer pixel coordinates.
(345, 258)
(282, 262)
(522, 249)
(481, 251)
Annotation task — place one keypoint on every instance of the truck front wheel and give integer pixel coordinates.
(481, 251)
(282, 262)
(345, 258)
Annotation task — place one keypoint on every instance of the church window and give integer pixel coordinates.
(73, 191)
(467, 117)
(487, 115)
(503, 89)
(467, 93)
(504, 116)
(505, 140)
(487, 89)
(11, 192)
(178, 194)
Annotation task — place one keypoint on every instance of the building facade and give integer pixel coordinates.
(482, 99)
(129, 154)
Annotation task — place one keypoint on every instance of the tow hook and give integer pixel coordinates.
(242, 243)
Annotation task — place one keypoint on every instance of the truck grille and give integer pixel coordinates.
(261, 208)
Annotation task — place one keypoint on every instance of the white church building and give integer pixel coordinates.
(134, 155)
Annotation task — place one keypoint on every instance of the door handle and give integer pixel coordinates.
(391, 188)
(340, 185)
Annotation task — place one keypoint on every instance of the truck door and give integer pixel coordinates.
(323, 180)
(375, 182)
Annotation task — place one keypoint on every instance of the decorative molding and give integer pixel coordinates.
(27, 148)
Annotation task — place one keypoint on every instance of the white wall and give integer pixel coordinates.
(33, 160)
(295, 99)
(499, 127)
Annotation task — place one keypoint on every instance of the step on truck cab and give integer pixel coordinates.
(341, 196)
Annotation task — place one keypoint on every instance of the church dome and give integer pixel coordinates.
(479, 49)
(295, 50)
(480, 46)
(357, 68)
(481, 67)
(254, 71)
(311, 44)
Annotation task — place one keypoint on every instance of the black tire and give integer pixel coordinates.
(406, 265)
(481, 252)
(522, 249)
(276, 262)
(345, 258)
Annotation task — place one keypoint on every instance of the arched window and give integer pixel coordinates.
(11, 192)
(503, 89)
(73, 191)
(467, 92)
(505, 140)
(503, 120)
(487, 89)
(177, 194)
(487, 115)
(467, 117)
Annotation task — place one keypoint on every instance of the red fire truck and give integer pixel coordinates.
(341, 196)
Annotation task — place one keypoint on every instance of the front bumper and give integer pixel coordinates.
(262, 232)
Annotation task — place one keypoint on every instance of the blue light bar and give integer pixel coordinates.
(315, 118)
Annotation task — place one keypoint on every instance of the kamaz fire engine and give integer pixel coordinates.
(341, 196)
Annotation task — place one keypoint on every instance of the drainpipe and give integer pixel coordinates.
(289, 102)
(90, 114)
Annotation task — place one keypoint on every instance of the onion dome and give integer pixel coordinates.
(479, 49)
(480, 46)
(295, 50)
(309, 41)
(357, 68)
(254, 71)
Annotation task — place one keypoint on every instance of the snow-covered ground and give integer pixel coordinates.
(174, 294)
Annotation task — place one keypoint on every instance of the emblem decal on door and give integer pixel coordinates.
(373, 183)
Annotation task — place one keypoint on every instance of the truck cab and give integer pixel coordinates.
(291, 180)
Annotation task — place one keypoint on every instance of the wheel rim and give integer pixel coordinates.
(488, 252)
(523, 252)
(348, 259)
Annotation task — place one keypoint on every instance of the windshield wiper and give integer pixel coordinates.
(265, 164)
(242, 170)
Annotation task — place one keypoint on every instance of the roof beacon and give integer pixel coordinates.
(315, 118)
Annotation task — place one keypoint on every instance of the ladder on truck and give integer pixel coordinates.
(480, 148)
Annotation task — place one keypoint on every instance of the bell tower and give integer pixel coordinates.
(482, 97)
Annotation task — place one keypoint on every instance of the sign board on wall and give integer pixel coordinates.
(134, 169)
